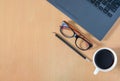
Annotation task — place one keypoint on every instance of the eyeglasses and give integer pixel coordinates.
(69, 31)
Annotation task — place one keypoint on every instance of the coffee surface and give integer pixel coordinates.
(104, 59)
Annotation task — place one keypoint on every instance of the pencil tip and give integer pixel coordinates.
(87, 60)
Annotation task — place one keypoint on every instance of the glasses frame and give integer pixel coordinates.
(77, 35)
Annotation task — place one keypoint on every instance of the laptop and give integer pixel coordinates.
(95, 16)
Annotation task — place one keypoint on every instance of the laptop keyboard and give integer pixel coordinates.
(109, 7)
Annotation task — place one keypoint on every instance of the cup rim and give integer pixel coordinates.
(115, 60)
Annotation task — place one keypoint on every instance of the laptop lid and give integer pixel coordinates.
(96, 16)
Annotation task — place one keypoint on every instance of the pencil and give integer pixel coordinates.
(71, 46)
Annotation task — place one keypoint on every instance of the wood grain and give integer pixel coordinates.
(30, 52)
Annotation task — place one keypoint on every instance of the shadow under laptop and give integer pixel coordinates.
(113, 34)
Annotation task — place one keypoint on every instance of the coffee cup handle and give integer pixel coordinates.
(96, 71)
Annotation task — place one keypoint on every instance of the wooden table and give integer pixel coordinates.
(29, 51)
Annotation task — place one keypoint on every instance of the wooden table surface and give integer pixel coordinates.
(29, 51)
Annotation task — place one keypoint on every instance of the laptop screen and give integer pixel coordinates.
(95, 16)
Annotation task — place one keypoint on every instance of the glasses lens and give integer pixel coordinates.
(82, 44)
(67, 32)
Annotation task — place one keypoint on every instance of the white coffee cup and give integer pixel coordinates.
(104, 59)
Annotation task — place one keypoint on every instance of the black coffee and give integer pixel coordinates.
(104, 59)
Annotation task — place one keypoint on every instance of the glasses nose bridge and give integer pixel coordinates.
(76, 36)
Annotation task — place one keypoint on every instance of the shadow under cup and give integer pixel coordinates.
(105, 59)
